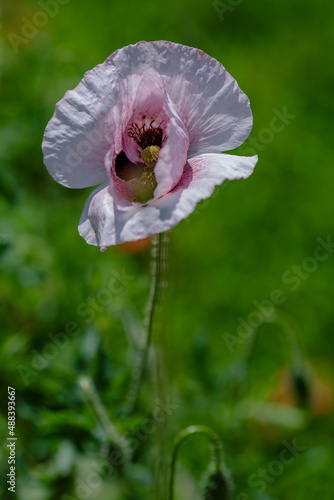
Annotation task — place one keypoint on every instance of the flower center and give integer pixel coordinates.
(150, 141)
(151, 136)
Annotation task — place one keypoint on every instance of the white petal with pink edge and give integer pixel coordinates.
(143, 100)
(207, 100)
(74, 143)
(103, 223)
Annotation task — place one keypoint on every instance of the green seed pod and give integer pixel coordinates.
(142, 188)
(150, 156)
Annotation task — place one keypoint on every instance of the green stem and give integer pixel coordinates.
(295, 348)
(295, 353)
(216, 449)
(112, 434)
(152, 305)
(159, 368)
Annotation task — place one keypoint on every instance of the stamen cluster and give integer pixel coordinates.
(144, 137)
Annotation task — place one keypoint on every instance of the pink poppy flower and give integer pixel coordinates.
(149, 126)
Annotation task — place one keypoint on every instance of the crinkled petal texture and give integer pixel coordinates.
(103, 223)
(181, 100)
(210, 103)
(215, 112)
(143, 100)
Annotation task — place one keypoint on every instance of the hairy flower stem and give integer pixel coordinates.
(112, 434)
(158, 259)
(153, 336)
(216, 451)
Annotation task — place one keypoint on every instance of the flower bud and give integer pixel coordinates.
(301, 388)
(216, 487)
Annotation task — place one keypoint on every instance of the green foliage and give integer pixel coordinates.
(227, 257)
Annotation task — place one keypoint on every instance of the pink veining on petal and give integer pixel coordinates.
(118, 186)
(147, 110)
(145, 106)
(152, 93)
(187, 177)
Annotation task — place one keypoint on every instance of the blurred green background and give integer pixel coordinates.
(236, 248)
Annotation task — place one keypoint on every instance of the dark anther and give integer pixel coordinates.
(153, 136)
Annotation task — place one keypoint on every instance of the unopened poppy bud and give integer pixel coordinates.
(301, 388)
(216, 487)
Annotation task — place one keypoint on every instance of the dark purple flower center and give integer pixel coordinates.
(125, 169)
(141, 176)
(144, 137)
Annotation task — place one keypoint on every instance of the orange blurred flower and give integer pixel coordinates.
(133, 247)
(320, 389)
